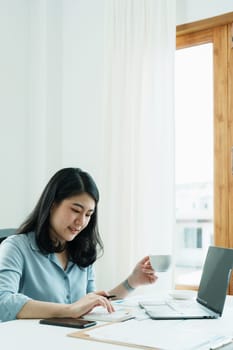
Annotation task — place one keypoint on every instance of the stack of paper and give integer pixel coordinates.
(101, 314)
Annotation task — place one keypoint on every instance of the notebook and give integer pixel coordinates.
(100, 314)
(211, 294)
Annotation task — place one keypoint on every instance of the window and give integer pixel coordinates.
(192, 237)
(203, 206)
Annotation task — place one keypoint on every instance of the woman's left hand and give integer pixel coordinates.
(142, 274)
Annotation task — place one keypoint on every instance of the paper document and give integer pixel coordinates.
(180, 336)
(101, 314)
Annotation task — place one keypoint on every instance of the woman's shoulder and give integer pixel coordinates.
(15, 250)
(19, 240)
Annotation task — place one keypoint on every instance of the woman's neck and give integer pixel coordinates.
(63, 258)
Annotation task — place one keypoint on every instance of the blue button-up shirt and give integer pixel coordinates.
(26, 273)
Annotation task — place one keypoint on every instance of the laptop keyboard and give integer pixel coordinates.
(164, 310)
(174, 309)
(194, 310)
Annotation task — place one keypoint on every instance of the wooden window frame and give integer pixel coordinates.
(219, 31)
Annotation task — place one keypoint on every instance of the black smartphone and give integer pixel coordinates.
(68, 322)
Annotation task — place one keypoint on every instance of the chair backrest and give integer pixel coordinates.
(5, 232)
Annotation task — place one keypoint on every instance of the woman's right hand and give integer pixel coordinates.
(87, 303)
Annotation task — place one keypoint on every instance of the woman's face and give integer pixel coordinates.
(70, 217)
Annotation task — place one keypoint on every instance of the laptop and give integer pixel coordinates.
(211, 295)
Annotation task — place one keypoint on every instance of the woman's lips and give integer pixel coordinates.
(75, 230)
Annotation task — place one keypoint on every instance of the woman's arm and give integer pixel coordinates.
(41, 309)
(142, 274)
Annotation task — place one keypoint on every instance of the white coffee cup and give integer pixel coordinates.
(160, 263)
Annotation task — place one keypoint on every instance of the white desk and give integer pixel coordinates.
(29, 334)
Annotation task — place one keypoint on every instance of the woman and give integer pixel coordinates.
(46, 270)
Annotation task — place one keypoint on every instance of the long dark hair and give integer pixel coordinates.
(86, 246)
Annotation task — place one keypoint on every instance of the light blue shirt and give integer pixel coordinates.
(26, 273)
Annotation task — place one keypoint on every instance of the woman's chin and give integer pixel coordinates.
(71, 236)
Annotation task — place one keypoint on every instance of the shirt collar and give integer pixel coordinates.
(51, 256)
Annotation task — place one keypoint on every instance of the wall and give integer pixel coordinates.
(14, 24)
(44, 125)
(194, 10)
(51, 75)
(83, 42)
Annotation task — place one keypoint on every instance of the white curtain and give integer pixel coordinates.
(137, 183)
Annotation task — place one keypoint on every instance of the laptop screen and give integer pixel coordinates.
(215, 278)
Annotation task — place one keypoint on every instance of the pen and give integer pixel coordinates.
(110, 296)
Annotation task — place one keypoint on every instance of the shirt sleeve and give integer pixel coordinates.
(11, 271)
(91, 287)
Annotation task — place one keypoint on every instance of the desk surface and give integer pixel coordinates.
(29, 334)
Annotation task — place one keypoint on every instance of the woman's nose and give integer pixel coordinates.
(80, 220)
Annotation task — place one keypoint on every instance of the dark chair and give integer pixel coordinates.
(5, 232)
